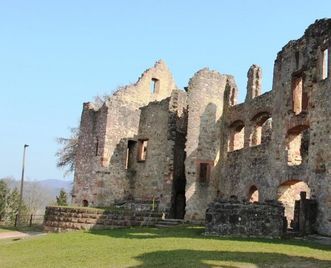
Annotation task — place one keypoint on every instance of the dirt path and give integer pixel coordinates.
(17, 234)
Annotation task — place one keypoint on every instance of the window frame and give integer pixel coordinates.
(140, 156)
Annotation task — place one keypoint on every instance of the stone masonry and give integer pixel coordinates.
(184, 148)
(245, 219)
(58, 219)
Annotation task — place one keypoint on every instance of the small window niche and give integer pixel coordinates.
(325, 63)
(155, 86)
(129, 154)
(204, 171)
(298, 98)
(142, 150)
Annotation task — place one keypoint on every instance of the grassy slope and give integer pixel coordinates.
(150, 247)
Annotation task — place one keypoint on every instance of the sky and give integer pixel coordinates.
(55, 55)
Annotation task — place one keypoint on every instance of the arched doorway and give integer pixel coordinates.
(289, 192)
(85, 203)
(253, 194)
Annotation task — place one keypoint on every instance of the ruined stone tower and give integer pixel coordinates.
(182, 149)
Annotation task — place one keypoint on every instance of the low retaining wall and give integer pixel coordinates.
(58, 219)
(245, 219)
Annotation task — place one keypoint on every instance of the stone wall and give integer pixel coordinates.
(162, 125)
(245, 219)
(58, 219)
(202, 144)
(296, 118)
(149, 173)
(100, 173)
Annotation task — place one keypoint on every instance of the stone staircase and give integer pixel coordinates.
(166, 223)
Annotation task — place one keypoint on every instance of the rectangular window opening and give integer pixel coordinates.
(204, 172)
(154, 85)
(297, 94)
(325, 63)
(142, 150)
(129, 154)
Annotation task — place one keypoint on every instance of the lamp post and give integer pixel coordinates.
(22, 182)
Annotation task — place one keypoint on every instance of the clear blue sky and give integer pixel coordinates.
(55, 55)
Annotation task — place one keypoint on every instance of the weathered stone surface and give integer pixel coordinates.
(85, 219)
(298, 150)
(245, 219)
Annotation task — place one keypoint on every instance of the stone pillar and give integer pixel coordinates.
(302, 213)
(254, 83)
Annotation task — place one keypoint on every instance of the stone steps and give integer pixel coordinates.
(166, 223)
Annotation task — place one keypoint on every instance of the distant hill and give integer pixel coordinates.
(38, 194)
(54, 186)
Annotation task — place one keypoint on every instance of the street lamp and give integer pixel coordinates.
(22, 182)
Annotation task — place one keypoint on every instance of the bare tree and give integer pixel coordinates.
(66, 154)
(100, 99)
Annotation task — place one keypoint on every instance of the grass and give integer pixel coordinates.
(151, 247)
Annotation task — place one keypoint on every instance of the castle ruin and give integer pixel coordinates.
(184, 148)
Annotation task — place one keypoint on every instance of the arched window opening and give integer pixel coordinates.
(253, 194)
(288, 193)
(262, 129)
(236, 140)
(297, 145)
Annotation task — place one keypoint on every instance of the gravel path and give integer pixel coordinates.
(17, 234)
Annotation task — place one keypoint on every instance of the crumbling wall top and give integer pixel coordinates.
(318, 30)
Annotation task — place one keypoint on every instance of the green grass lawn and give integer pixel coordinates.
(151, 247)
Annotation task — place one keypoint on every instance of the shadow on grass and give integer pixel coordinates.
(225, 259)
(23, 229)
(195, 232)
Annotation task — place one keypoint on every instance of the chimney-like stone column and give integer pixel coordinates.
(254, 83)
